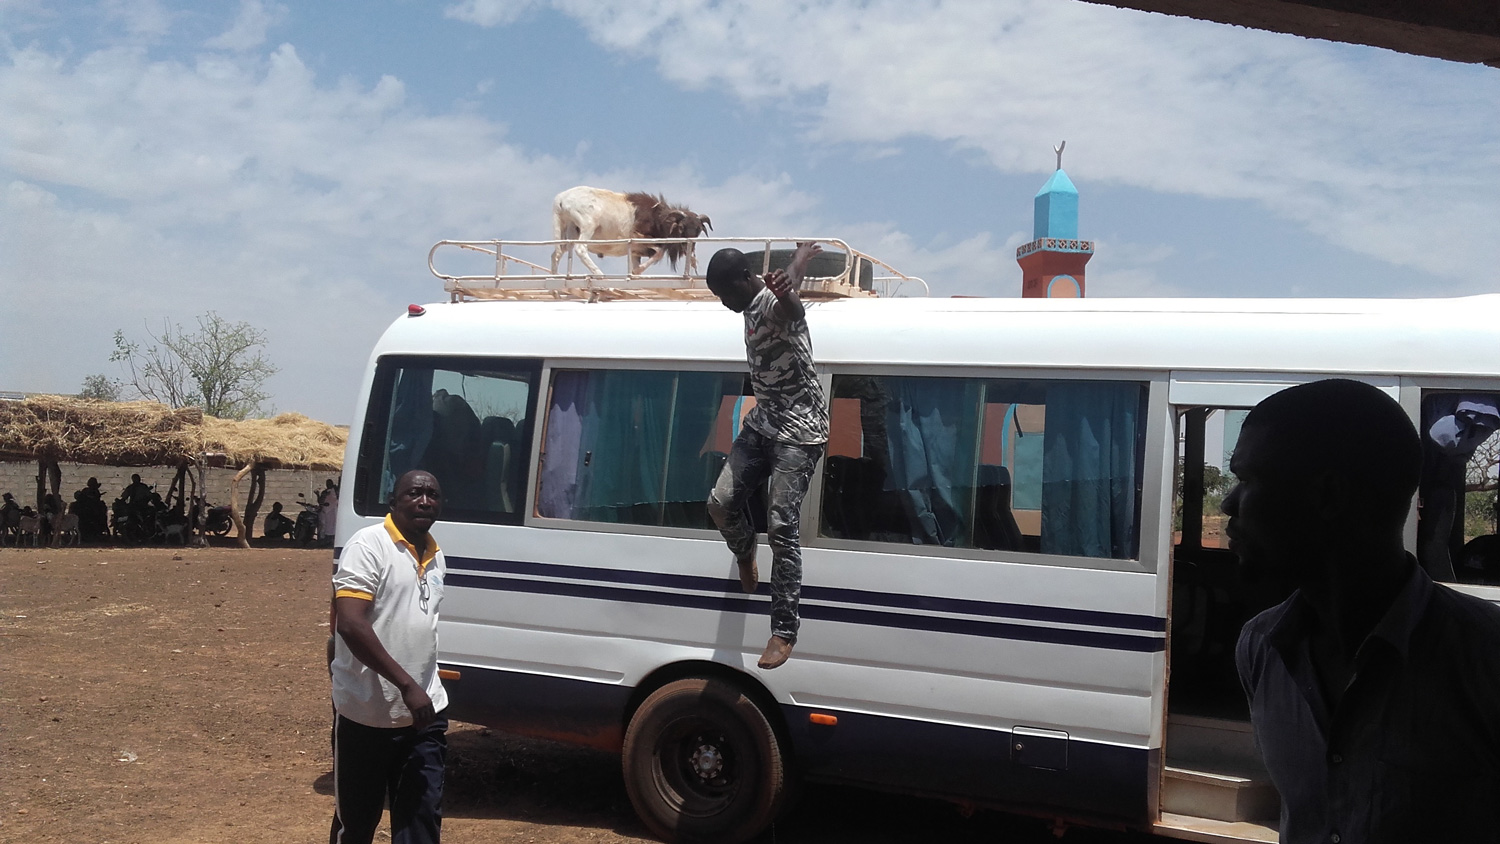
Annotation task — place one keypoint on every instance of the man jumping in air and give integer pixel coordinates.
(783, 435)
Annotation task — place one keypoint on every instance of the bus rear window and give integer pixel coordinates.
(467, 421)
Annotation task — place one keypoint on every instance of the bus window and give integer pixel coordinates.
(466, 421)
(1456, 530)
(1207, 439)
(637, 447)
(1046, 466)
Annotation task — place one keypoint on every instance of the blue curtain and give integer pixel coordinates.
(932, 424)
(622, 445)
(410, 428)
(691, 470)
(1089, 469)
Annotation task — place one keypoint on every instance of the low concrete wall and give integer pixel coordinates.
(281, 484)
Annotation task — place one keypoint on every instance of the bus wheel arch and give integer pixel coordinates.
(704, 760)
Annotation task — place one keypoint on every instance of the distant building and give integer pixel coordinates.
(1052, 263)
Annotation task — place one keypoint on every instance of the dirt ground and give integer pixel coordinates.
(181, 697)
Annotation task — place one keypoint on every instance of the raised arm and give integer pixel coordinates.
(784, 284)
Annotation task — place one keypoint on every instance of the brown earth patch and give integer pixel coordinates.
(181, 697)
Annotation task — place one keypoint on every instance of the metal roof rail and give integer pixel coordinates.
(839, 272)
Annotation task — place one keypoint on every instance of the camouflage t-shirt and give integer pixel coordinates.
(789, 402)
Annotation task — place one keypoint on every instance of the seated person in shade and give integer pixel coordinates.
(1374, 692)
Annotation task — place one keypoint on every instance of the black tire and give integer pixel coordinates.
(703, 764)
(220, 529)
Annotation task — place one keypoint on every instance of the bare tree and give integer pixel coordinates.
(1480, 485)
(219, 368)
(1481, 473)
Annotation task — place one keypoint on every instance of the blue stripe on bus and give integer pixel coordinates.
(847, 615)
(927, 603)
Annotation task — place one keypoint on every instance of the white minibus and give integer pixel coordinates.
(1014, 595)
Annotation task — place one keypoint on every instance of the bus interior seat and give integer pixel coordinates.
(995, 524)
(855, 501)
(497, 434)
(835, 475)
(457, 452)
(1479, 561)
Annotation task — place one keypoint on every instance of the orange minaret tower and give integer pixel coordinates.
(1052, 263)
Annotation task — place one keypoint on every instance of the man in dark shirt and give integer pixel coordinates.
(1374, 693)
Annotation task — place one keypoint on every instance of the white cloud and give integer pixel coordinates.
(138, 190)
(249, 29)
(146, 18)
(1375, 151)
(1126, 269)
(489, 12)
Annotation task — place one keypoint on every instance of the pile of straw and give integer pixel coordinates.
(289, 440)
(149, 434)
(137, 433)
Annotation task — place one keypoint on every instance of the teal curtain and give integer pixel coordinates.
(933, 426)
(627, 446)
(691, 468)
(623, 452)
(1089, 469)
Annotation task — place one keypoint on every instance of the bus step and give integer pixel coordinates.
(1219, 795)
(1202, 829)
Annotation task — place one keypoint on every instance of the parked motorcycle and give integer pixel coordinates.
(135, 523)
(216, 520)
(305, 531)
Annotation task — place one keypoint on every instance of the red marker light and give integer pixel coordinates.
(415, 310)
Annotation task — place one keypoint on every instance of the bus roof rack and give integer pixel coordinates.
(520, 270)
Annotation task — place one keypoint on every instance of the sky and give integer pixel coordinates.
(290, 165)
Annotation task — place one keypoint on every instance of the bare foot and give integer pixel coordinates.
(749, 574)
(777, 652)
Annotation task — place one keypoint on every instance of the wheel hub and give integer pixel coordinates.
(707, 761)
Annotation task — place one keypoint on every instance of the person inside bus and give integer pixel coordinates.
(1455, 426)
(1374, 693)
(782, 438)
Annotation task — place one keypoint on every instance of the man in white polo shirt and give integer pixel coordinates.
(390, 735)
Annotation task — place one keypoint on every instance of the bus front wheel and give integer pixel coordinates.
(703, 764)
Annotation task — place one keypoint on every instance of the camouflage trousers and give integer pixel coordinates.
(753, 458)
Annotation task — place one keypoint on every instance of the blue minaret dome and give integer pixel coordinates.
(1056, 209)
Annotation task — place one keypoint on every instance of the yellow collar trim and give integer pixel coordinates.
(396, 537)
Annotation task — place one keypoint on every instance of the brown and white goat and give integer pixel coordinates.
(584, 213)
